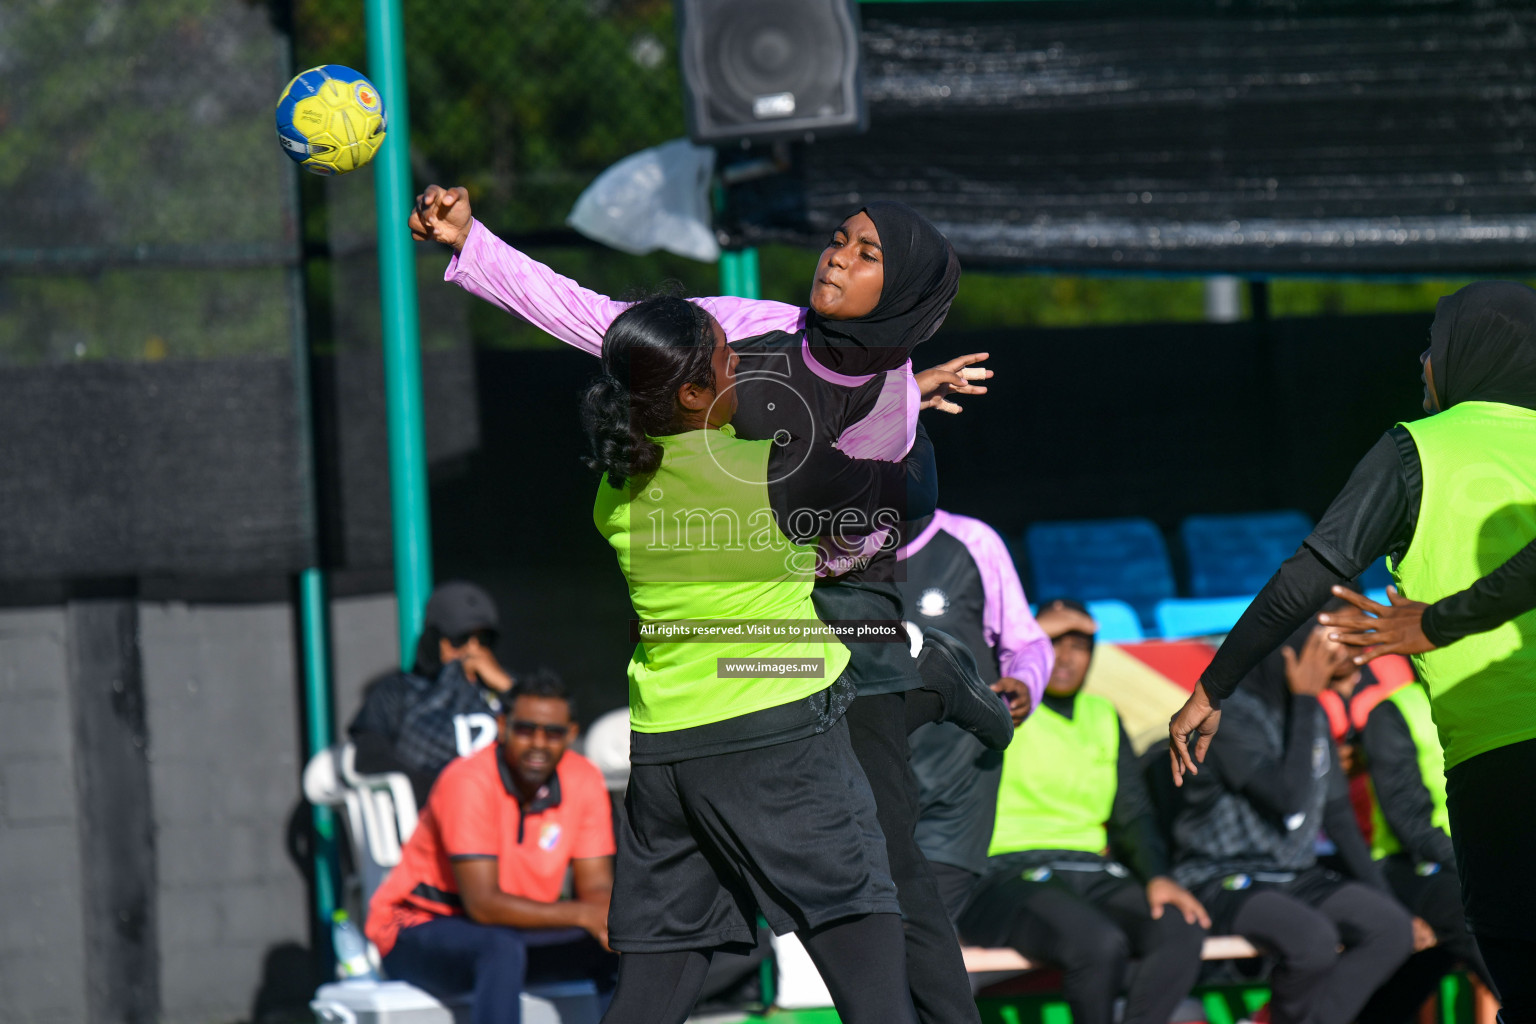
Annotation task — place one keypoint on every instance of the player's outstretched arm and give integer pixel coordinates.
(487, 267)
(490, 269)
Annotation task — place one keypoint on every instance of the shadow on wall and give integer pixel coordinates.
(291, 972)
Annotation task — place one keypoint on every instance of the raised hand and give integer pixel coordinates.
(1310, 673)
(1383, 629)
(1057, 619)
(952, 378)
(442, 215)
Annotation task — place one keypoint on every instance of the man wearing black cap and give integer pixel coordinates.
(445, 707)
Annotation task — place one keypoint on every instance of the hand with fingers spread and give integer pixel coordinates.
(1194, 725)
(952, 378)
(1382, 629)
(442, 215)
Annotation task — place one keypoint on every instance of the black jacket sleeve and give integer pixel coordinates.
(1134, 836)
(1278, 788)
(1340, 824)
(1400, 790)
(1506, 593)
(1372, 516)
(810, 483)
(376, 728)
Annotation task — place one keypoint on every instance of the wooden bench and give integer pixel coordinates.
(979, 960)
(1224, 1004)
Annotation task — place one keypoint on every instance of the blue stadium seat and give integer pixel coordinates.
(1117, 621)
(1231, 555)
(1183, 617)
(1100, 559)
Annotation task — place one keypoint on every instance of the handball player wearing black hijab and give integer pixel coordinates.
(1450, 498)
(882, 286)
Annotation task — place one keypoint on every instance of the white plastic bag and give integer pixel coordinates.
(657, 198)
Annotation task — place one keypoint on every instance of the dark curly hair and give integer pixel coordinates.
(649, 351)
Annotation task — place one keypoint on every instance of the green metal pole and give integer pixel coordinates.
(739, 274)
(402, 346)
(317, 706)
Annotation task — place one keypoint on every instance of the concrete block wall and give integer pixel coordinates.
(225, 752)
(222, 694)
(42, 940)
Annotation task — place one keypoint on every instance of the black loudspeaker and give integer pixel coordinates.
(761, 70)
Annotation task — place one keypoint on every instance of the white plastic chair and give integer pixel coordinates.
(380, 816)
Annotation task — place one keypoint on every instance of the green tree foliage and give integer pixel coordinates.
(147, 199)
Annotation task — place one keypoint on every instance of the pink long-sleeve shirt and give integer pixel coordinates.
(491, 269)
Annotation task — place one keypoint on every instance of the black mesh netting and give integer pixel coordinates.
(1222, 136)
(152, 263)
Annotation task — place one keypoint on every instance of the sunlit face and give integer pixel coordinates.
(723, 363)
(851, 272)
(534, 735)
(1073, 653)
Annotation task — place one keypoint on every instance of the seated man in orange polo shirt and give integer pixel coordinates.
(474, 905)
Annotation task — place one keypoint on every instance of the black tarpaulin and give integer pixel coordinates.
(1391, 137)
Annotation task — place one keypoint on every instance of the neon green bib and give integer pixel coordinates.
(1059, 780)
(1413, 702)
(1478, 509)
(698, 541)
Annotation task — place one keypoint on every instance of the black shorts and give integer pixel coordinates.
(788, 830)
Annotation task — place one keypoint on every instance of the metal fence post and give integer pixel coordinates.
(739, 274)
(402, 346)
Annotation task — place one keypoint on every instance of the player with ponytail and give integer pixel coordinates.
(836, 370)
(745, 795)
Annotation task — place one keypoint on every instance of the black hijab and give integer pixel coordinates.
(922, 274)
(1482, 345)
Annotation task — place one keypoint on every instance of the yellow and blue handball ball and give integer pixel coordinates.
(330, 119)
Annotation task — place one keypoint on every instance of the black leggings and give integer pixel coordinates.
(878, 726)
(860, 958)
(1492, 801)
(1437, 899)
(1313, 982)
(1091, 925)
(1513, 965)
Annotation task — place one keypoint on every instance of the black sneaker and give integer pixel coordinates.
(947, 667)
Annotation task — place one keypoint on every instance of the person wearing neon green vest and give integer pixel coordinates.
(745, 795)
(1410, 839)
(1451, 498)
(1078, 873)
